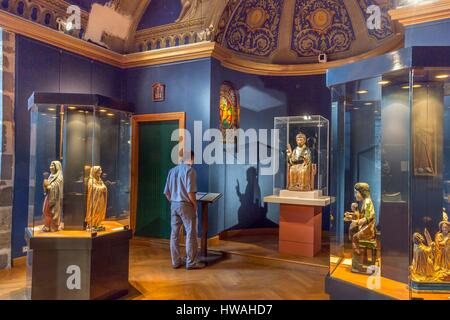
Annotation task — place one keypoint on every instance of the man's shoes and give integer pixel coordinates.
(181, 264)
(198, 265)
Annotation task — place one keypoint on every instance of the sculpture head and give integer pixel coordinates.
(444, 227)
(300, 139)
(52, 168)
(55, 167)
(96, 172)
(362, 191)
(418, 239)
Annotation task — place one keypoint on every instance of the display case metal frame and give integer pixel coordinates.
(407, 60)
(80, 264)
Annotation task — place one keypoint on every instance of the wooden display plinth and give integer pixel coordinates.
(300, 230)
(77, 267)
(300, 224)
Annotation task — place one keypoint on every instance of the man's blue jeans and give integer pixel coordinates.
(182, 213)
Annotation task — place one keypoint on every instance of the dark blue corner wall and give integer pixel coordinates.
(262, 98)
(187, 90)
(193, 87)
(428, 34)
(40, 67)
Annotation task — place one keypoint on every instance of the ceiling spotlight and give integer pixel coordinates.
(72, 108)
(384, 82)
(110, 114)
(51, 109)
(416, 86)
(442, 76)
(368, 103)
(362, 91)
(103, 110)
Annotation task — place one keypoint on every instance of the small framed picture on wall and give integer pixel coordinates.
(158, 92)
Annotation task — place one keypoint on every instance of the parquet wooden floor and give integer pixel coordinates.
(234, 278)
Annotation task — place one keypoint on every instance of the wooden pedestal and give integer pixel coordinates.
(78, 268)
(300, 229)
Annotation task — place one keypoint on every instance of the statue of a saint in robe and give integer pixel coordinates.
(97, 199)
(422, 264)
(442, 247)
(300, 165)
(53, 190)
(362, 217)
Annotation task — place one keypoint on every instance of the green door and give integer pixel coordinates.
(155, 148)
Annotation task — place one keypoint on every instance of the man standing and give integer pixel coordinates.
(181, 186)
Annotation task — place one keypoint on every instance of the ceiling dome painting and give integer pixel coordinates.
(254, 27)
(297, 31)
(321, 27)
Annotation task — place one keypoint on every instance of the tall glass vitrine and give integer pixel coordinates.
(390, 174)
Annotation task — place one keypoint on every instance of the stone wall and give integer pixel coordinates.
(7, 147)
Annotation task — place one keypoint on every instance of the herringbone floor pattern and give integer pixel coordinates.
(234, 278)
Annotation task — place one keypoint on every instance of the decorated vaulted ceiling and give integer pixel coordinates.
(267, 31)
(297, 31)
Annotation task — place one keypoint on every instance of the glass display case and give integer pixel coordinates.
(80, 152)
(390, 174)
(303, 157)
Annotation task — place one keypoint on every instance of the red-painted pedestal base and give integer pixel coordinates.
(300, 230)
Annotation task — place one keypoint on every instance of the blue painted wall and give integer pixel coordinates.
(428, 34)
(160, 12)
(187, 90)
(192, 87)
(262, 99)
(40, 67)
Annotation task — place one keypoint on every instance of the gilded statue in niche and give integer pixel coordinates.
(431, 259)
(53, 190)
(300, 167)
(97, 198)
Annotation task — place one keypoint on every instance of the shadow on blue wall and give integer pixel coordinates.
(251, 214)
(262, 99)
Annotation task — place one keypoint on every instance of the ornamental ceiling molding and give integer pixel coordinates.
(169, 29)
(180, 30)
(235, 62)
(422, 13)
(59, 6)
(194, 51)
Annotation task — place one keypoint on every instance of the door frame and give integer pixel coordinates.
(136, 121)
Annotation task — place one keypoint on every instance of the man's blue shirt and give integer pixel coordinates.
(181, 180)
